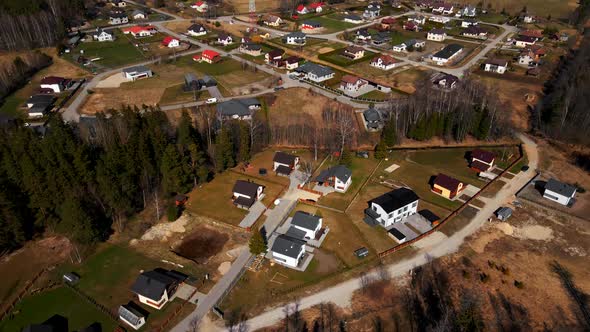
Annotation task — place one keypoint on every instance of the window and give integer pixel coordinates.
(374, 208)
(391, 215)
(551, 196)
(405, 208)
(415, 204)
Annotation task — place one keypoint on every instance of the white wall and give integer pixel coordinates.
(158, 305)
(286, 260)
(395, 216)
(340, 186)
(563, 200)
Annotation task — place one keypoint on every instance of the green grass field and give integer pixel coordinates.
(113, 54)
(338, 59)
(333, 23)
(11, 106)
(62, 301)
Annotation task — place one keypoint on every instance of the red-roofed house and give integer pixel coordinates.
(388, 23)
(384, 61)
(411, 26)
(140, 31)
(352, 83)
(208, 56)
(534, 33)
(57, 84)
(481, 160)
(447, 186)
(200, 6)
(317, 6)
(302, 10)
(170, 42)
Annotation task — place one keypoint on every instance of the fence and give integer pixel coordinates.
(105, 310)
(21, 294)
(454, 213)
(175, 312)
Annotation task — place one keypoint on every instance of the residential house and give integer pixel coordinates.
(317, 7)
(445, 55)
(467, 11)
(138, 15)
(131, 316)
(535, 33)
(381, 38)
(191, 82)
(498, 66)
(445, 81)
(353, 52)
(314, 72)
(531, 55)
(238, 109)
(40, 101)
(482, 160)
(372, 11)
(503, 213)
(284, 163)
(560, 192)
(392, 207)
(292, 62)
(38, 111)
(208, 56)
(119, 3)
(246, 193)
(528, 18)
(353, 18)
(474, 31)
(272, 20)
(302, 10)
(418, 19)
(170, 42)
(102, 35)
(424, 4)
(447, 186)
(436, 35)
(384, 61)
(310, 25)
(432, 218)
(197, 30)
(339, 177)
(350, 83)
(395, 4)
(363, 35)
(140, 31)
(200, 6)
(155, 288)
(411, 26)
(118, 18)
(137, 72)
(468, 23)
(373, 120)
(524, 41)
(274, 55)
(55, 83)
(295, 38)
(308, 223)
(439, 19)
(251, 49)
(388, 23)
(409, 45)
(395, 234)
(224, 39)
(287, 250)
(443, 8)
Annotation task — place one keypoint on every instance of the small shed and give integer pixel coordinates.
(71, 278)
(180, 199)
(504, 213)
(361, 252)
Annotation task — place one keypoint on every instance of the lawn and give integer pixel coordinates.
(338, 59)
(113, 54)
(344, 237)
(213, 199)
(375, 94)
(333, 23)
(11, 106)
(61, 301)
(361, 169)
(175, 94)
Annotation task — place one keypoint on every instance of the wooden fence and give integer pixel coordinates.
(10, 306)
(454, 213)
(175, 313)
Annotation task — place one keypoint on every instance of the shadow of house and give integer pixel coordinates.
(540, 186)
(94, 327)
(55, 323)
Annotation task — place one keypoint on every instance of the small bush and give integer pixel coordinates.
(172, 213)
(518, 284)
(505, 270)
(491, 264)
(484, 277)
(466, 274)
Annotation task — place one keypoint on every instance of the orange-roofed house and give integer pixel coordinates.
(140, 31)
(447, 186)
(208, 56)
(170, 42)
(352, 83)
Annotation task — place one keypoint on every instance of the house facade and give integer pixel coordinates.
(352, 83)
(140, 31)
(339, 177)
(272, 20)
(208, 56)
(137, 72)
(314, 72)
(392, 207)
(288, 251)
(170, 42)
(103, 35)
(445, 55)
(295, 38)
(251, 49)
(446, 81)
(118, 18)
(200, 6)
(308, 223)
(437, 35)
(482, 160)
(372, 11)
(246, 193)
(154, 288)
(447, 186)
(197, 30)
(524, 41)
(57, 84)
(354, 52)
(498, 66)
(224, 39)
(384, 61)
(310, 25)
(373, 120)
(353, 18)
(237, 109)
(284, 163)
(560, 192)
(131, 316)
(474, 31)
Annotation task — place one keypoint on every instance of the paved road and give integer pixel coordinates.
(341, 294)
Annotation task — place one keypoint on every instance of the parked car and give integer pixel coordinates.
(525, 168)
(211, 101)
(279, 88)
(361, 252)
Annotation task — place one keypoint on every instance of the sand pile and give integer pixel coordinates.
(163, 231)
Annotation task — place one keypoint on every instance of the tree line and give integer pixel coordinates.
(35, 23)
(14, 74)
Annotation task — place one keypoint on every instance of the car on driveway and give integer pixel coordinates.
(211, 101)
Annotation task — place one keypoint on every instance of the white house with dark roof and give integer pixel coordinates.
(384, 61)
(314, 72)
(287, 250)
(224, 39)
(339, 177)
(482, 160)
(102, 35)
(197, 30)
(155, 288)
(560, 192)
(118, 18)
(391, 207)
(498, 66)
(237, 109)
(246, 193)
(307, 223)
(437, 35)
(55, 83)
(445, 55)
(284, 163)
(295, 38)
(131, 316)
(353, 18)
(372, 11)
(138, 15)
(373, 120)
(137, 72)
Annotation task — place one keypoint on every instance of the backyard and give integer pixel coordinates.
(111, 54)
(333, 23)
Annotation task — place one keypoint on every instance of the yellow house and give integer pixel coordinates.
(447, 186)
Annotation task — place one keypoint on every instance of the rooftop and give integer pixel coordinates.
(287, 246)
(395, 199)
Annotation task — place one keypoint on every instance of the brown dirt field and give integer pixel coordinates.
(104, 99)
(20, 266)
(326, 261)
(202, 244)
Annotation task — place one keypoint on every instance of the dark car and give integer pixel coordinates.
(279, 88)
(361, 252)
(525, 168)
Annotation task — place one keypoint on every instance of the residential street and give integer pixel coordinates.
(341, 294)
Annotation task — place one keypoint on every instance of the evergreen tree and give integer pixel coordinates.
(380, 150)
(257, 244)
(76, 222)
(244, 151)
(224, 150)
(389, 133)
(346, 158)
(175, 178)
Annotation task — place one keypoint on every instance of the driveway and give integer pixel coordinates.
(253, 214)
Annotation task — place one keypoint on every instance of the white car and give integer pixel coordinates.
(211, 101)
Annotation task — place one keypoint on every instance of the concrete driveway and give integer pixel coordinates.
(255, 211)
